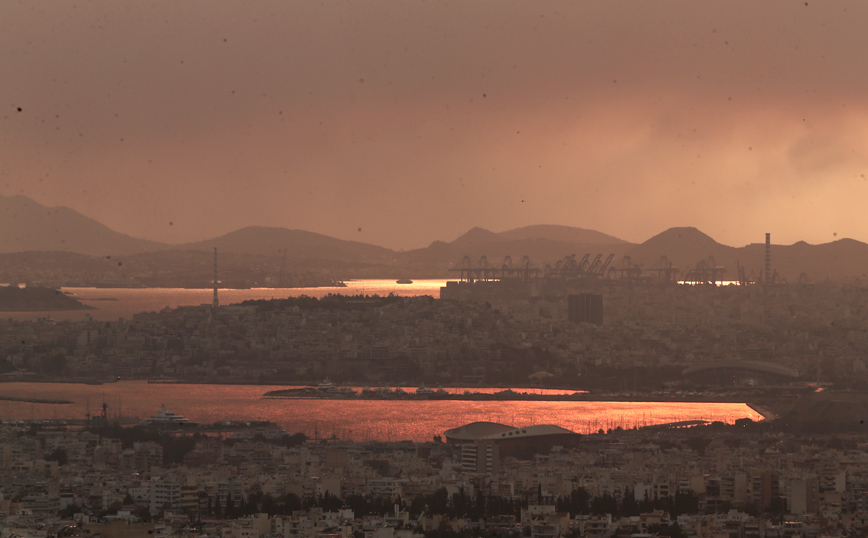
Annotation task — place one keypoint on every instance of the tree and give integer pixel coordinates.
(290, 502)
(59, 455)
(684, 503)
(329, 502)
(268, 505)
(604, 504)
(777, 508)
(698, 444)
(672, 530)
(578, 502)
(629, 506)
(69, 511)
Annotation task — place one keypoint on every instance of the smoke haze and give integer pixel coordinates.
(399, 123)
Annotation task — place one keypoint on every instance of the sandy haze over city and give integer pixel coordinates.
(399, 123)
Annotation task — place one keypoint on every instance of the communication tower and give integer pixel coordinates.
(216, 302)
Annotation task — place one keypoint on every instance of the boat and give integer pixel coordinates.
(167, 419)
(424, 390)
(403, 281)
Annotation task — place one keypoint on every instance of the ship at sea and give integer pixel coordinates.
(403, 281)
(331, 389)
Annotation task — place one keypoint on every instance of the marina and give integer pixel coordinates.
(358, 420)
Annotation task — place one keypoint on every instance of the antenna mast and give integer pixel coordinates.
(216, 302)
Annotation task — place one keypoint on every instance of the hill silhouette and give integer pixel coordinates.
(28, 226)
(34, 299)
(300, 244)
(684, 247)
(563, 234)
(476, 238)
(541, 243)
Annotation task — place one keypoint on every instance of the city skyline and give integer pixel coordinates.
(401, 124)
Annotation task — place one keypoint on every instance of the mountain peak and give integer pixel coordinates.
(566, 234)
(683, 246)
(476, 237)
(27, 225)
(269, 240)
(683, 234)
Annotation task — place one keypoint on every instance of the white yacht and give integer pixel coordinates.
(326, 386)
(167, 419)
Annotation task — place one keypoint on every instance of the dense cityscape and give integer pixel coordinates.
(433, 269)
(789, 475)
(737, 481)
(817, 329)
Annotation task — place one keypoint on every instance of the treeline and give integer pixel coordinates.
(331, 302)
(478, 507)
(459, 504)
(625, 505)
(176, 447)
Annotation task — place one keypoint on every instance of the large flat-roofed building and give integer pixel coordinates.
(741, 373)
(510, 441)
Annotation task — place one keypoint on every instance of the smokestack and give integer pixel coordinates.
(768, 278)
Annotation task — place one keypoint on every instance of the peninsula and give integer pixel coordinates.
(37, 299)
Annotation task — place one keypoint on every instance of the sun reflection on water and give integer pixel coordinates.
(387, 420)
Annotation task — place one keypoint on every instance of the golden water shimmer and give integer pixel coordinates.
(357, 420)
(112, 304)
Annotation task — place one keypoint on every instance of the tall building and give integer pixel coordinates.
(585, 308)
(482, 456)
(165, 495)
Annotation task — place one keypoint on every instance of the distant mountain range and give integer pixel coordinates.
(685, 247)
(27, 226)
(262, 240)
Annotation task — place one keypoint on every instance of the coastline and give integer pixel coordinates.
(505, 394)
(767, 414)
(308, 393)
(312, 393)
(25, 399)
(353, 418)
(520, 397)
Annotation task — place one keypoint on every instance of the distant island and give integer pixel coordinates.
(384, 393)
(37, 299)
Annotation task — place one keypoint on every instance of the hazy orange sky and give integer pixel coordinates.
(401, 122)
